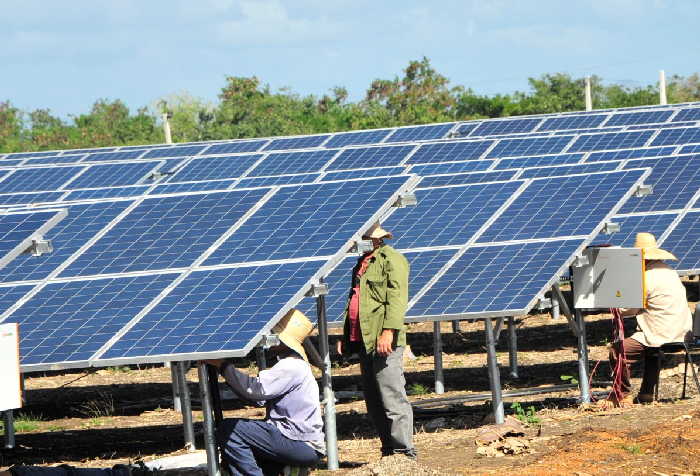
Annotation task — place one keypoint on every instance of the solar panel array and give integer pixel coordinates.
(18, 230)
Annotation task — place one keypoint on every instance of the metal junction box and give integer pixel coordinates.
(609, 277)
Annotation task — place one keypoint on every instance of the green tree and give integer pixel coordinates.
(11, 128)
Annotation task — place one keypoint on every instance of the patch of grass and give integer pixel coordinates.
(569, 378)
(417, 389)
(119, 369)
(101, 406)
(634, 448)
(528, 415)
(25, 422)
(55, 428)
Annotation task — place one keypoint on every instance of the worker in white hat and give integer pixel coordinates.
(666, 318)
(292, 432)
(374, 328)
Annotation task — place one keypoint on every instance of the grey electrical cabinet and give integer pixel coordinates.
(609, 277)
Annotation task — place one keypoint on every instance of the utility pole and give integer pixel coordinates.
(589, 100)
(662, 88)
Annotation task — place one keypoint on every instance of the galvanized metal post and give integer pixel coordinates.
(260, 358)
(512, 348)
(208, 413)
(327, 386)
(166, 128)
(555, 305)
(437, 356)
(589, 100)
(9, 421)
(662, 88)
(582, 358)
(456, 327)
(186, 404)
(177, 405)
(494, 375)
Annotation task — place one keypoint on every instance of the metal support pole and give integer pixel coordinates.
(455, 327)
(327, 386)
(437, 355)
(662, 88)
(589, 100)
(494, 375)
(166, 128)
(512, 348)
(186, 404)
(260, 358)
(177, 405)
(555, 302)
(215, 395)
(582, 358)
(9, 420)
(207, 411)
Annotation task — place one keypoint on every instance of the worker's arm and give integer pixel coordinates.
(269, 384)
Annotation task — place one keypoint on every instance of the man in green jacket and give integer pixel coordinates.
(374, 328)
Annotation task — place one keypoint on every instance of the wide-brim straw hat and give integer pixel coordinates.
(293, 329)
(647, 243)
(376, 231)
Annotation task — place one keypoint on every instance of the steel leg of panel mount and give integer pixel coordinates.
(9, 421)
(456, 326)
(437, 355)
(177, 405)
(494, 375)
(327, 386)
(210, 445)
(186, 404)
(555, 307)
(512, 348)
(582, 358)
(260, 358)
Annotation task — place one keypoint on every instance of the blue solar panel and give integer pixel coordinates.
(690, 114)
(684, 135)
(11, 294)
(296, 220)
(24, 155)
(449, 151)
(529, 146)
(237, 147)
(690, 149)
(276, 180)
(302, 142)
(645, 117)
(361, 173)
(165, 232)
(465, 129)
(451, 167)
(630, 154)
(181, 151)
(506, 126)
(661, 126)
(569, 169)
(81, 224)
(630, 225)
(114, 175)
(366, 157)
(64, 159)
(38, 179)
(586, 131)
(447, 216)
(111, 192)
(285, 163)
(119, 155)
(192, 186)
(417, 133)
(70, 321)
(89, 151)
(539, 161)
(142, 147)
(572, 122)
(561, 206)
(217, 310)
(12, 163)
(358, 138)
(18, 229)
(502, 279)
(30, 198)
(466, 178)
(616, 140)
(210, 168)
(684, 242)
(675, 181)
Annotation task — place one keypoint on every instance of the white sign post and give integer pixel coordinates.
(10, 391)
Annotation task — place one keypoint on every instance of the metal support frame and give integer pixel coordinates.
(437, 355)
(185, 404)
(512, 348)
(8, 418)
(260, 358)
(177, 405)
(215, 395)
(582, 358)
(494, 375)
(555, 310)
(456, 326)
(326, 385)
(210, 446)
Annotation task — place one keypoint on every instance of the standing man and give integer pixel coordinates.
(374, 328)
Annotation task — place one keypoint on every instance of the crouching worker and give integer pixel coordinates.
(292, 432)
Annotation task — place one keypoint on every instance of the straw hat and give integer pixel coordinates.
(647, 243)
(293, 329)
(376, 231)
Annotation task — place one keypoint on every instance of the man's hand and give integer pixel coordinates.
(215, 362)
(339, 346)
(384, 342)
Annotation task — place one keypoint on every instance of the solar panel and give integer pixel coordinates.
(24, 155)
(181, 151)
(498, 279)
(358, 138)
(69, 321)
(285, 163)
(111, 192)
(89, 151)
(192, 186)
(18, 230)
(645, 117)
(276, 180)
(451, 167)
(684, 242)
(630, 225)
(661, 126)
(449, 151)
(367, 157)
(64, 159)
(448, 215)
(13, 163)
(418, 133)
(119, 155)
(361, 173)
(616, 140)
(237, 147)
(506, 126)
(211, 168)
(569, 169)
(529, 146)
(114, 175)
(683, 135)
(572, 122)
(308, 220)
(690, 149)
(540, 212)
(467, 177)
(465, 129)
(30, 198)
(301, 142)
(690, 114)
(585, 131)
(674, 179)
(165, 232)
(538, 161)
(630, 154)
(38, 179)
(81, 224)
(11, 294)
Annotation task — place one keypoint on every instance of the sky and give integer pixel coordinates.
(65, 55)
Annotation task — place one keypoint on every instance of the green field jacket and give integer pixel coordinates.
(383, 298)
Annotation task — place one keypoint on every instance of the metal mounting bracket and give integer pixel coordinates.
(610, 228)
(362, 246)
(269, 340)
(319, 289)
(39, 247)
(644, 190)
(407, 199)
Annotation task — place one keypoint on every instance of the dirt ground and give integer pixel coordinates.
(116, 415)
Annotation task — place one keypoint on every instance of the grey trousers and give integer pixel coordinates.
(388, 407)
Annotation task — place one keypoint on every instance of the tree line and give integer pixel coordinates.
(246, 107)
